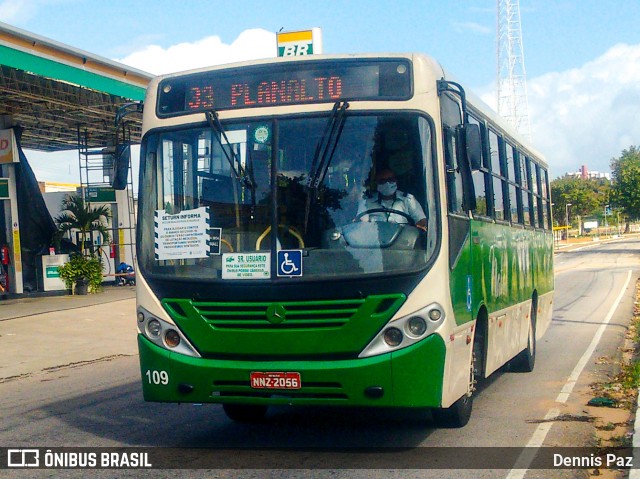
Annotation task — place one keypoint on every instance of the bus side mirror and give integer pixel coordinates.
(120, 172)
(469, 152)
(473, 145)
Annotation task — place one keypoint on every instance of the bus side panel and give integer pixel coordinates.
(510, 264)
(505, 338)
(544, 314)
(459, 285)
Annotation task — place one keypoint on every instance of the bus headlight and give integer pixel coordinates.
(172, 338)
(164, 334)
(154, 328)
(405, 331)
(393, 336)
(435, 314)
(416, 326)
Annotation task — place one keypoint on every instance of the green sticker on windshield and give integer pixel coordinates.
(261, 134)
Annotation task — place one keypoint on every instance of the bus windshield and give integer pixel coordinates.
(231, 197)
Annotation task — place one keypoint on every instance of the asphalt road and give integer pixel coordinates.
(99, 403)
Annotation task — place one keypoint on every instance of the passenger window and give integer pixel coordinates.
(496, 175)
(481, 178)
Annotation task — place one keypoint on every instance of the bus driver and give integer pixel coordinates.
(391, 199)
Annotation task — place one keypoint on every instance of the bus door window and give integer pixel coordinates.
(454, 176)
(451, 117)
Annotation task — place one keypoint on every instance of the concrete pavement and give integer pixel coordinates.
(38, 334)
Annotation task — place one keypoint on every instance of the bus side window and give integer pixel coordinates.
(482, 177)
(546, 198)
(515, 192)
(528, 196)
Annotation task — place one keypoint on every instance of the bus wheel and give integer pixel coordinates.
(459, 413)
(526, 360)
(245, 412)
(456, 415)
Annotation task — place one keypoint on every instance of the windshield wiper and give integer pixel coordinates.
(232, 158)
(324, 153)
(327, 145)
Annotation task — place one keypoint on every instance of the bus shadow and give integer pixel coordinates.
(120, 416)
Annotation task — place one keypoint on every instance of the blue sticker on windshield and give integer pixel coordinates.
(290, 263)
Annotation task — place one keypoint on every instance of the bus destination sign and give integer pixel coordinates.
(298, 83)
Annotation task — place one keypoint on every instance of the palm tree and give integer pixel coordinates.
(81, 216)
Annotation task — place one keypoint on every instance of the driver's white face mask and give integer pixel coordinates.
(388, 188)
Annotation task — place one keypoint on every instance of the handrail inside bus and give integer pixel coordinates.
(290, 229)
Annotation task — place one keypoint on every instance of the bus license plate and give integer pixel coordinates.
(275, 380)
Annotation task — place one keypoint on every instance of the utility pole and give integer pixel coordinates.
(513, 104)
(566, 217)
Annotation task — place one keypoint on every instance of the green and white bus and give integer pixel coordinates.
(274, 270)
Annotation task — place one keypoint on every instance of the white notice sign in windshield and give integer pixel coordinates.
(246, 265)
(182, 236)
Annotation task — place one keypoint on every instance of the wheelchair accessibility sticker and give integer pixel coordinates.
(290, 263)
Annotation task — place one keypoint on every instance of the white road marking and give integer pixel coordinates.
(539, 435)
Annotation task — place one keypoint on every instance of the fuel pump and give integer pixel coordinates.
(4, 269)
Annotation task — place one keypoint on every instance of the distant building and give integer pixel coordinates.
(52, 186)
(585, 174)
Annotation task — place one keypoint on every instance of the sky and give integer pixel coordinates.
(582, 57)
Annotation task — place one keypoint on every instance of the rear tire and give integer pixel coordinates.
(245, 412)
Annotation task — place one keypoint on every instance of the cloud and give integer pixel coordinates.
(585, 115)
(13, 11)
(472, 27)
(250, 44)
(19, 11)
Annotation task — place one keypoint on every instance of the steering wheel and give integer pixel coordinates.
(388, 211)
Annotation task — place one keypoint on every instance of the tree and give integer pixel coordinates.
(81, 216)
(586, 197)
(625, 193)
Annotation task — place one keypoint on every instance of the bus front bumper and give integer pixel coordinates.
(410, 377)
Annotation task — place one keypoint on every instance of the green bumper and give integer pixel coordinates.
(410, 377)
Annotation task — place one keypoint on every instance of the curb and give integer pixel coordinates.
(634, 472)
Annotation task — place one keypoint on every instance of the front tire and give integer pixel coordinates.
(458, 414)
(455, 416)
(245, 412)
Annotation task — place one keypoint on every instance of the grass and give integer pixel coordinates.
(630, 375)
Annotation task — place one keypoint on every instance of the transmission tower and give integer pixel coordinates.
(511, 89)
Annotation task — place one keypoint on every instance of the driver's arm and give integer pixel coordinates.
(362, 207)
(417, 213)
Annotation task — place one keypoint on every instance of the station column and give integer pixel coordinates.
(10, 233)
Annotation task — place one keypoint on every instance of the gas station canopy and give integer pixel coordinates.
(56, 92)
